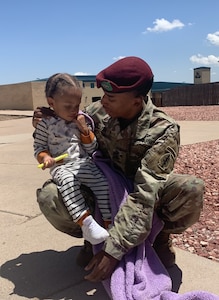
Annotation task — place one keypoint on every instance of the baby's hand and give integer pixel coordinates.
(81, 123)
(48, 162)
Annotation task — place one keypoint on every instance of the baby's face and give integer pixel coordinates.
(66, 105)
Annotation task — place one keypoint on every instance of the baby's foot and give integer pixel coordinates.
(93, 232)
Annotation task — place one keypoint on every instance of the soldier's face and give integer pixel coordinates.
(121, 105)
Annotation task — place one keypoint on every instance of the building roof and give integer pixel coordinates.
(201, 68)
(163, 86)
(158, 86)
(85, 78)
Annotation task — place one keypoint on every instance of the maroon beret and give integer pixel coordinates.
(124, 75)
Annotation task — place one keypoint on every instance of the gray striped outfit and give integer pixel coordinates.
(58, 136)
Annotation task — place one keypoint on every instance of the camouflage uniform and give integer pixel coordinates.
(145, 150)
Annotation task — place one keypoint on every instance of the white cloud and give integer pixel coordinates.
(213, 38)
(164, 25)
(81, 73)
(118, 58)
(205, 60)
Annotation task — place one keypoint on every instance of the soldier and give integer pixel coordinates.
(142, 142)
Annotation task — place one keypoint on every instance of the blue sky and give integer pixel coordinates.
(42, 37)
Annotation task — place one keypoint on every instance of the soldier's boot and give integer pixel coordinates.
(85, 255)
(164, 249)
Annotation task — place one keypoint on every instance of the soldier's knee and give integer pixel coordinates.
(46, 197)
(198, 188)
(195, 195)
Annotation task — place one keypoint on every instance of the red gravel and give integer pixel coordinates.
(202, 160)
(193, 113)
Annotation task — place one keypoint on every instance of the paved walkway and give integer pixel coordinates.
(37, 261)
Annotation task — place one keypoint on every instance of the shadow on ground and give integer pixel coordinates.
(175, 274)
(50, 275)
(54, 275)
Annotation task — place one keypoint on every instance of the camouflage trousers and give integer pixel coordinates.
(179, 205)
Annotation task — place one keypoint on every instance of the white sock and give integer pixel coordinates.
(93, 232)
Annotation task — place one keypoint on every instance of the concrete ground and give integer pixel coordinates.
(37, 261)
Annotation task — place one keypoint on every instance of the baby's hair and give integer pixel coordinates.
(57, 82)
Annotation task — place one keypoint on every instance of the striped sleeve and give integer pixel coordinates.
(40, 138)
(90, 147)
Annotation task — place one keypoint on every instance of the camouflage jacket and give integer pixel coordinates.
(144, 151)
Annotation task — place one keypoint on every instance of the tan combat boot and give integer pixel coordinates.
(85, 255)
(164, 249)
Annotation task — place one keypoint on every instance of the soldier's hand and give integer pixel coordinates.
(102, 266)
(39, 113)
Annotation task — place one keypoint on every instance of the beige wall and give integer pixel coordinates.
(38, 94)
(16, 96)
(88, 93)
(29, 95)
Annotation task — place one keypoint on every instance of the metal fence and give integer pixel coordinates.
(191, 95)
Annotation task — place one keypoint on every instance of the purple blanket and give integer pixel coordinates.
(139, 275)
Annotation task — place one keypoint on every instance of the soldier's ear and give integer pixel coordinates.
(138, 101)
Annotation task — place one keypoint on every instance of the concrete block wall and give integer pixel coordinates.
(29, 95)
(16, 96)
(38, 94)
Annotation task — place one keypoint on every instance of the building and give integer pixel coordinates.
(29, 95)
(202, 75)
